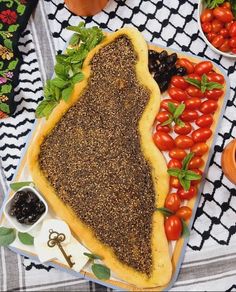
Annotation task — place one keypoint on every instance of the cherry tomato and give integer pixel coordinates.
(196, 182)
(192, 103)
(184, 142)
(194, 76)
(200, 149)
(204, 121)
(164, 103)
(207, 15)
(201, 135)
(172, 202)
(196, 162)
(173, 227)
(207, 27)
(174, 182)
(187, 195)
(226, 5)
(223, 14)
(184, 213)
(217, 25)
(162, 116)
(174, 163)
(224, 32)
(184, 130)
(163, 141)
(194, 91)
(228, 24)
(177, 94)
(177, 153)
(215, 77)
(163, 128)
(232, 29)
(214, 94)
(182, 62)
(210, 36)
(179, 82)
(208, 107)
(189, 116)
(232, 42)
(203, 67)
(225, 46)
(218, 41)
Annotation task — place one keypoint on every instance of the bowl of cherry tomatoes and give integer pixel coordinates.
(217, 23)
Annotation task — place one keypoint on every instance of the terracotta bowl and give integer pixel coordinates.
(228, 161)
(85, 7)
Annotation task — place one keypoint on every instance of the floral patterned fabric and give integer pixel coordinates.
(14, 15)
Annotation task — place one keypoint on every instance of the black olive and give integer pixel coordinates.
(164, 85)
(152, 66)
(157, 77)
(25, 210)
(153, 55)
(181, 71)
(162, 56)
(171, 59)
(162, 68)
(172, 69)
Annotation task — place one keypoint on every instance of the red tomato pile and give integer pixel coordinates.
(192, 137)
(219, 26)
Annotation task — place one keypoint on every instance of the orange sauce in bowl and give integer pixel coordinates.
(228, 161)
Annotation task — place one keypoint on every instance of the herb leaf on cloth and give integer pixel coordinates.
(7, 236)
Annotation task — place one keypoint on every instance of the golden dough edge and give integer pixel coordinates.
(162, 267)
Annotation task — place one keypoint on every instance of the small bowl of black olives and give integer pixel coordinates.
(25, 209)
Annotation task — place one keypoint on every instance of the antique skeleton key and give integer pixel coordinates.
(55, 239)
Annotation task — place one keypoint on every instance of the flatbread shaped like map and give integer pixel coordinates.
(95, 162)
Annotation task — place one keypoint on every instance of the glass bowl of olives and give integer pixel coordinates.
(25, 209)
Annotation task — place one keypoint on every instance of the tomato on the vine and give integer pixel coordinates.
(192, 103)
(226, 5)
(194, 76)
(214, 94)
(203, 67)
(166, 129)
(173, 227)
(183, 62)
(196, 162)
(201, 135)
(216, 26)
(208, 107)
(172, 202)
(187, 195)
(183, 130)
(215, 77)
(207, 27)
(210, 36)
(217, 41)
(225, 46)
(177, 153)
(184, 142)
(179, 82)
(174, 182)
(177, 94)
(232, 42)
(232, 29)
(174, 163)
(164, 103)
(224, 32)
(200, 149)
(184, 213)
(194, 91)
(163, 141)
(223, 14)
(189, 116)
(207, 15)
(196, 182)
(204, 121)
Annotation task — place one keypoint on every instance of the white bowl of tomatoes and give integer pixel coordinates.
(217, 23)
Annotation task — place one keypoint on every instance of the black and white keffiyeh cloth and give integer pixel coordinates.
(210, 260)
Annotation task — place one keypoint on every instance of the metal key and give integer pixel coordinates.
(55, 239)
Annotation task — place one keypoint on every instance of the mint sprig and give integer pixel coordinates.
(176, 112)
(68, 68)
(204, 84)
(184, 175)
(100, 271)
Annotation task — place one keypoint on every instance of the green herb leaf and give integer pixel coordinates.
(213, 3)
(171, 107)
(233, 7)
(187, 160)
(185, 184)
(66, 93)
(18, 185)
(60, 83)
(74, 40)
(62, 59)
(4, 107)
(194, 82)
(62, 71)
(167, 122)
(179, 123)
(45, 108)
(174, 171)
(101, 272)
(191, 175)
(185, 230)
(7, 236)
(214, 85)
(26, 238)
(92, 256)
(179, 110)
(77, 77)
(165, 211)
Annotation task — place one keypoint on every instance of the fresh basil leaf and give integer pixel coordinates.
(185, 184)
(191, 175)
(214, 85)
(77, 77)
(60, 83)
(185, 229)
(171, 107)
(179, 110)
(66, 93)
(194, 82)
(62, 59)
(174, 171)
(179, 123)
(92, 256)
(204, 79)
(45, 108)
(167, 122)
(5, 231)
(26, 238)
(7, 239)
(18, 185)
(74, 40)
(165, 211)
(187, 160)
(101, 272)
(76, 28)
(62, 71)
